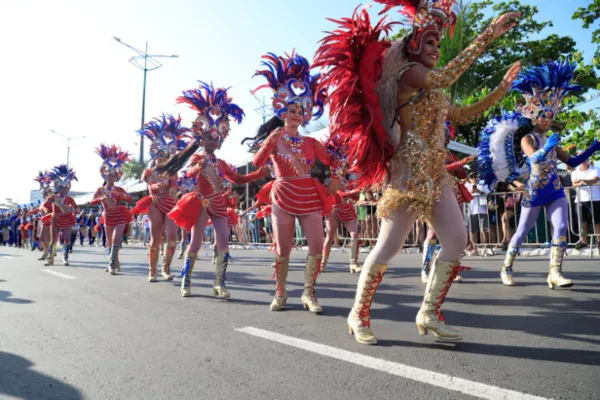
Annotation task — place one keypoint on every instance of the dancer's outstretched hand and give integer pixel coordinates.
(511, 75)
(504, 23)
(552, 142)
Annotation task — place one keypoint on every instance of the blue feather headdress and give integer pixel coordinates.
(166, 134)
(113, 158)
(187, 182)
(544, 88)
(45, 181)
(497, 160)
(62, 176)
(290, 79)
(214, 108)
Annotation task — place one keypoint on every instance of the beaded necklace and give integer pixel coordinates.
(295, 145)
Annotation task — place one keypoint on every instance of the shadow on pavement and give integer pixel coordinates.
(19, 380)
(6, 297)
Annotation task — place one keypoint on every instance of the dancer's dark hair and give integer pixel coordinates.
(263, 133)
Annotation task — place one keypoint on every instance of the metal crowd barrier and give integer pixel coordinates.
(499, 224)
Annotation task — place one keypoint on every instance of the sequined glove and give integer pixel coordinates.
(541, 154)
(574, 161)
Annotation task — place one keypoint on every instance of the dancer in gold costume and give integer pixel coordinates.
(402, 140)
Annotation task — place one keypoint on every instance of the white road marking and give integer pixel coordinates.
(471, 388)
(8, 257)
(60, 275)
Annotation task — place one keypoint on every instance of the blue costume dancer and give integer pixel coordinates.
(544, 87)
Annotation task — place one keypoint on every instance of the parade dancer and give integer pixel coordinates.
(294, 194)
(116, 215)
(544, 88)
(390, 109)
(456, 170)
(210, 199)
(45, 183)
(343, 211)
(62, 207)
(167, 136)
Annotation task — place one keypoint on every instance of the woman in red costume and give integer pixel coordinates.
(62, 207)
(167, 136)
(343, 211)
(44, 181)
(116, 216)
(210, 199)
(456, 170)
(185, 185)
(294, 194)
(391, 109)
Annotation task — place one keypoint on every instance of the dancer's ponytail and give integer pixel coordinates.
(177, 161)
(263, 133)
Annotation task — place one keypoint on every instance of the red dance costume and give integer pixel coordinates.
(161, 194)
(114, 213)
(57, 207)
(211, 175)
(294, 190)
(343, 210)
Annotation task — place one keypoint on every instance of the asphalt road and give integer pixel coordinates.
(83, 334)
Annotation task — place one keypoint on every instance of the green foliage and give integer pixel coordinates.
(488, 71)
(589, 15)
(133, 169)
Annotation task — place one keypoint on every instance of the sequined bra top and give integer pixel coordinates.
(543, 185)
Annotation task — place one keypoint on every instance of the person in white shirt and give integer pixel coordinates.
(587, 181)
(478, 210)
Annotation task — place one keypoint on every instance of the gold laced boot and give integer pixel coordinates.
(186, 274)
(309, 298)
(326, 251)
(153, 260)
(506, 274)
(430, 316)
(44, 251)
(354, 266)
(281, 272)
(167, 260)
(219, 288)
(114, 256)
(50, 261)
(359, 319)
(555, 275)
(428, 255)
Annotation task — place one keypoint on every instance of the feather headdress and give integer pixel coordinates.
(62, 176)
(165, 134)
(214, 108)
(113, 159)
(291, 82)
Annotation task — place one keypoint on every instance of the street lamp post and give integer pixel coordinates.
(150, 64)
(69, 138)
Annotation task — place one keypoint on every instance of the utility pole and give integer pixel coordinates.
(150, 64)
(69, 138)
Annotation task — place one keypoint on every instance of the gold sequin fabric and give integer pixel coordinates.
(418, 169)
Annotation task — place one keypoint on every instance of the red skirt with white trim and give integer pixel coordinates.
(119, 215)
(46, 220)
(344, 212)
(189, 208)
(63, 220)
(298, 196)
(164, 203)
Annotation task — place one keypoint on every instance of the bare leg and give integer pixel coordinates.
(223, 257)
(157, 226)
(331, 224)
(352, 227)
(197, 236)
(114, 236)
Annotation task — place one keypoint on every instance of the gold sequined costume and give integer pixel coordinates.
(417, 171)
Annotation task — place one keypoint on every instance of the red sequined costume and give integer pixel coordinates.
(114, 213)
(58, 207)
(161, 193)
(294, 190)
(456, 168)
(211, 175)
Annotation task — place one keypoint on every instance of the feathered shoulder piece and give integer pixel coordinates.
(62, 176)
(290, 79)
(214, 108)
(498, 158)
(186, 182)
(352, 57)
(544, 88)
(166, 135)
(113, 159)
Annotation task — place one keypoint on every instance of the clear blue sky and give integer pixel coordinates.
(62, 70)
